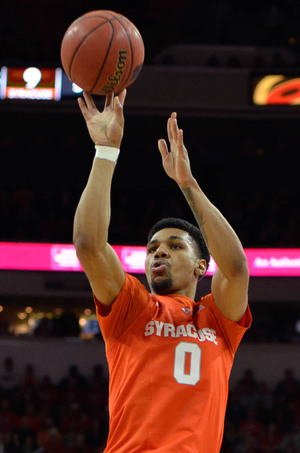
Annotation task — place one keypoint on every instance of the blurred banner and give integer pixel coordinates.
(62, 257)
(195, 90)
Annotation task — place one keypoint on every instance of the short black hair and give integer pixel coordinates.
(192, 230)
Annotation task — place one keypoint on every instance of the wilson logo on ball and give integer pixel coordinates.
(114, 79)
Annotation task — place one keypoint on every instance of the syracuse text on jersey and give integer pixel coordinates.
(166, 329)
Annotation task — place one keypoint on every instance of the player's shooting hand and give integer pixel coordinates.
(175, 160)
(106, 127)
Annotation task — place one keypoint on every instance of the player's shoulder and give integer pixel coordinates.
(133, 285)
(207, 300)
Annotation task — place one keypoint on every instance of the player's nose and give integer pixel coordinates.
(161, 252)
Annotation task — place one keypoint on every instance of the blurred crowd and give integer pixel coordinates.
(247, 168)
(277, 323)
(261, 419)
(258, 221)
(38, 415)
(250, 173)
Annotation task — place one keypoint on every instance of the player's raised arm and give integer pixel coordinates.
(230, 281)
(92, 216)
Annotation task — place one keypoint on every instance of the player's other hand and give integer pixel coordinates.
(175, 160)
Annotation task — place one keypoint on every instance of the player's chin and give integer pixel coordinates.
(162, 285)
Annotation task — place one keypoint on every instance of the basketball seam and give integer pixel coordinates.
(85, 38)
(107, 52)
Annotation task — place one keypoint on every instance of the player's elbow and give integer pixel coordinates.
(239, 268)
(87, 246)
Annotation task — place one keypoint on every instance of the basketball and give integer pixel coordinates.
(102, 52)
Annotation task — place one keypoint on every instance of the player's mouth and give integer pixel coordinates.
(159, 267)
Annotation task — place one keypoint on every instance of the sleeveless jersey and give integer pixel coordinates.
(169, 362)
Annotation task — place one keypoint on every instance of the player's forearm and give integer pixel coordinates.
(222, 241)
(92, 216)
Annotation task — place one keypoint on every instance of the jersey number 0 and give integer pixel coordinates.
(187, 363)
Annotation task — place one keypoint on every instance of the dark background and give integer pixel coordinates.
(247, 166)
(245, 158)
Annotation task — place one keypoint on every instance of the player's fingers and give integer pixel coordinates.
(180, 145)
(172, 127)
(109, 101)
(83, 107)
(163, 149)
(169, 130)
(119, 103)
(122, 97)
(89, 101)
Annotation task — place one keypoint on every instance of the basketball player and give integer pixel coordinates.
(169, 356)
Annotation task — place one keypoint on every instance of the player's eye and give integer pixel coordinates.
(151, 249)
(175, 246)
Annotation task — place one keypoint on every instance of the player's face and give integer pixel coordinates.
(172, 265)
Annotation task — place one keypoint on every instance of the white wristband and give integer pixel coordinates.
(107, 152)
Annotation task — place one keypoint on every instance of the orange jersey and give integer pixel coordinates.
(169, 361)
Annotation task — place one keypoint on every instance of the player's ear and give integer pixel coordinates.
(200, 268)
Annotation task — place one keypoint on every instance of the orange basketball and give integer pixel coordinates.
(102, 52)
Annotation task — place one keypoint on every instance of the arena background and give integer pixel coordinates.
(203, 60)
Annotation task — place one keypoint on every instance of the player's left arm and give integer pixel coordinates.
(231, 279)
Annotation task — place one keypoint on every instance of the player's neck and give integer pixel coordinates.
(187, 292)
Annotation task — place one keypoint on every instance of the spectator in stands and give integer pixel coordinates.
(9, 379)
(289, 386)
